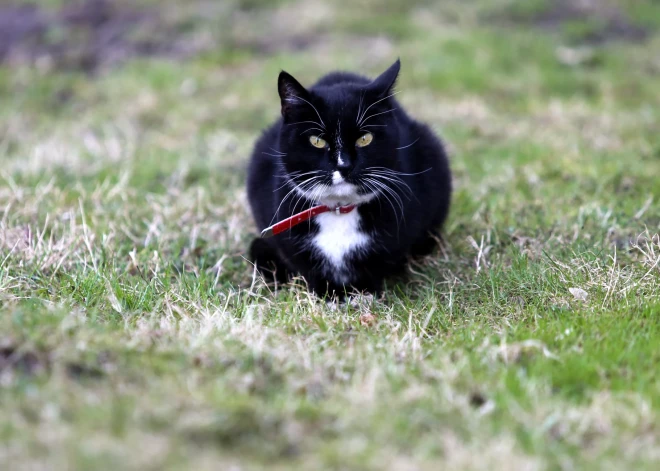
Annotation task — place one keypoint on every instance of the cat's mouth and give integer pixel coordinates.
(342, 190)
(337, 193)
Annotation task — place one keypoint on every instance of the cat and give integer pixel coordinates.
(382, 178)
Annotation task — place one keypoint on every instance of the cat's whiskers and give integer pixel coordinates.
(313, 192)
(362, 185)
(301, 195)
(396, 181)
(317, 192)
(304, 192)
(312, 129)
(306, 195)
(286, 179)
(379, 188)
(274, 155)
(393, 193)
(394, 178)
(361, 119)
(357, 118)
(314, 107)
(290, 179)
(285, 175)
(409, 145)
(311, 172)
(277, 151)
(396, 172)
(293, 176)
(322, 126)
(376, 114)
(385, 173)
(292, 191)
(365, 130)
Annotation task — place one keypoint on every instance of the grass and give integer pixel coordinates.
(135, 335)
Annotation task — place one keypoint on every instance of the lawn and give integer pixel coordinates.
(134, 334)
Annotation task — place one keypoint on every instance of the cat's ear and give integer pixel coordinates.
(291, 92)
(385, 82)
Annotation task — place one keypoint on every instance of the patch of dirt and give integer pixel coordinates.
(87, 35)
(18, 361)
(82, 371)
(603, 20)
(477, 399)
(26, 362)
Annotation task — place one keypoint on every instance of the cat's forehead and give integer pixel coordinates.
(341, 108)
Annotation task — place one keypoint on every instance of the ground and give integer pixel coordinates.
(135, 335)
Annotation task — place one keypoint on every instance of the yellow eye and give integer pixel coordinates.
(317, 142)
(365, 140)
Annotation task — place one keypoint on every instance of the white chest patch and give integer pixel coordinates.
(338, 236)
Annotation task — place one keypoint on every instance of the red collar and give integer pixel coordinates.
(296, 219)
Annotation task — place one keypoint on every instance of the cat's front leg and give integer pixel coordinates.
(373, 285)
(268, 262)
(371, 272)
(325, 288)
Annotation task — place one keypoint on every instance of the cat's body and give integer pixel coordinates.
(399, 181)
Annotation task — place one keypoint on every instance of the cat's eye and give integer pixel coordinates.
(317, 142)
(365, 140)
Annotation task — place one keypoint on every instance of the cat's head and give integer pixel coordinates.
(336, 136)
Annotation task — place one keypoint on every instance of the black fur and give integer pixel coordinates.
(401, 222)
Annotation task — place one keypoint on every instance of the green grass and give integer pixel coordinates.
(135, 335)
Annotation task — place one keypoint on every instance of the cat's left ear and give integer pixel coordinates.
(386, 81)
(291, 92)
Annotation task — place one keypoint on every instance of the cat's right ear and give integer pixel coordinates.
(385, 82)
(291, 92)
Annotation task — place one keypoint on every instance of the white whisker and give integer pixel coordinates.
(277, 151)
(374, 191)
(308, 194)
(409, 145)
(308, 122)
(312, 129)
(376, 114)
(291, 177)
(357, 118)
(394, 180)
(396, 197)
(384, 188)
(361, 120)
(396, 172)
(292, 191)
(317, 112)
(296, 189)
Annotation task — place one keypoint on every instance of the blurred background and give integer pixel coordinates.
(190, 68)
(162, 97)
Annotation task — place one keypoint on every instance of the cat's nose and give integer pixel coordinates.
(344, 164)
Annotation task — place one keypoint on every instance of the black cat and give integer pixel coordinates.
(346, 144)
